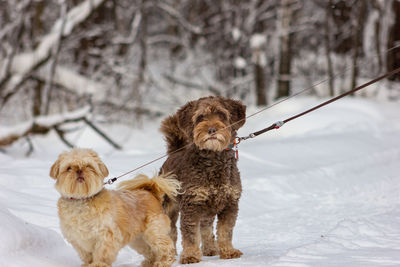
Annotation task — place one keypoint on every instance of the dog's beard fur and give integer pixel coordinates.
(215, 142)
(71, 184)
(79, 176)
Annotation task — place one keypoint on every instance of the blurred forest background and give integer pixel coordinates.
(130, 60)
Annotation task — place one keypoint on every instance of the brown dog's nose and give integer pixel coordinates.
(212, 130)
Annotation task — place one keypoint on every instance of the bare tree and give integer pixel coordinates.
(393, 56)
(285, 53)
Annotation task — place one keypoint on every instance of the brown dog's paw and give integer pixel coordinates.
(210, 251)
(230, 254)
(189, 259)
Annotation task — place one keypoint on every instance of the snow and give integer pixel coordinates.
(323, 190)
(236, 34)
(240, 63)
(75, 82)
(257, 41)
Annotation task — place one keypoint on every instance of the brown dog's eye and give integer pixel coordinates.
(222, 116)
(199, 119)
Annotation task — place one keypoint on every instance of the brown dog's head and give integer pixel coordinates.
(211, 122)
(79, 173)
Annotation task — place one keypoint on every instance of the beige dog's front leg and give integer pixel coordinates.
(85, 256)
(106, 250)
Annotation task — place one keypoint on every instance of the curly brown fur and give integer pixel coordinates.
(209, 175)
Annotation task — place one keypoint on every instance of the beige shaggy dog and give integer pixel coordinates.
(199, 138)
(99, 222)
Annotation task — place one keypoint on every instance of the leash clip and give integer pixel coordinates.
(234, 147)
(239, 139)
(111, 180)
(278, 124)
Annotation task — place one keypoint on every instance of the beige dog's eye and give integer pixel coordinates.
(69, 168)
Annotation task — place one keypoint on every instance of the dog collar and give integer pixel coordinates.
(84, 198)
(234, 147)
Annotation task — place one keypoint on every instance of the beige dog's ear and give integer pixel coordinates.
(237, 110)
(55, 169)
(103, 169)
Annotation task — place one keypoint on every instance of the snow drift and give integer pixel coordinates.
(321, 191)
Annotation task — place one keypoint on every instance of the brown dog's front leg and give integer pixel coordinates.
(209, 246)
(190, 228)
(226, 222)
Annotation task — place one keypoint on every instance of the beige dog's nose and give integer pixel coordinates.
(79, 172)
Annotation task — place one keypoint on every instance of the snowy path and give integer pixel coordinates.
(323, 190)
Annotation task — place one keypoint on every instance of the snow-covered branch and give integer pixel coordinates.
(26, 62)
(176, 14)
(43, 124)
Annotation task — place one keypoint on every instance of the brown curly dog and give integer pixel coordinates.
(207, 169)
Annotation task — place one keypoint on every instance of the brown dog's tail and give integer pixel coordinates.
(174, 136)
(159, 185)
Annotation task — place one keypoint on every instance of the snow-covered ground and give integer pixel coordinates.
(321, 191)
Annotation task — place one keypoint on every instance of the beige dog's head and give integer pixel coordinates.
(211, 122)
(79, 173)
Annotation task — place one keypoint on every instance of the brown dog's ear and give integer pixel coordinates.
(237, 110)
(55, 169)
(184, 115)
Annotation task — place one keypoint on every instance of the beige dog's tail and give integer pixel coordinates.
(159, 185)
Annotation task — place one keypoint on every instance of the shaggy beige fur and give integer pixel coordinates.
(99, 222)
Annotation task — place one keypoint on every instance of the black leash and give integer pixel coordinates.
(279, 124)
(275, 125)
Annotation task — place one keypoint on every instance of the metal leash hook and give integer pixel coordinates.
(111, 180)
(278, 124)
(239, 139)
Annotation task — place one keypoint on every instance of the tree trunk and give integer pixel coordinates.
(357, 45)
(393, 56)
(328, 50)
(260, 82)
(285, 55)
(139, 81)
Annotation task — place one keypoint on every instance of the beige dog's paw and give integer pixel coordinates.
(97, 264)
(147, 263)
(230, 254)
(189, 259)
(162, 264)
